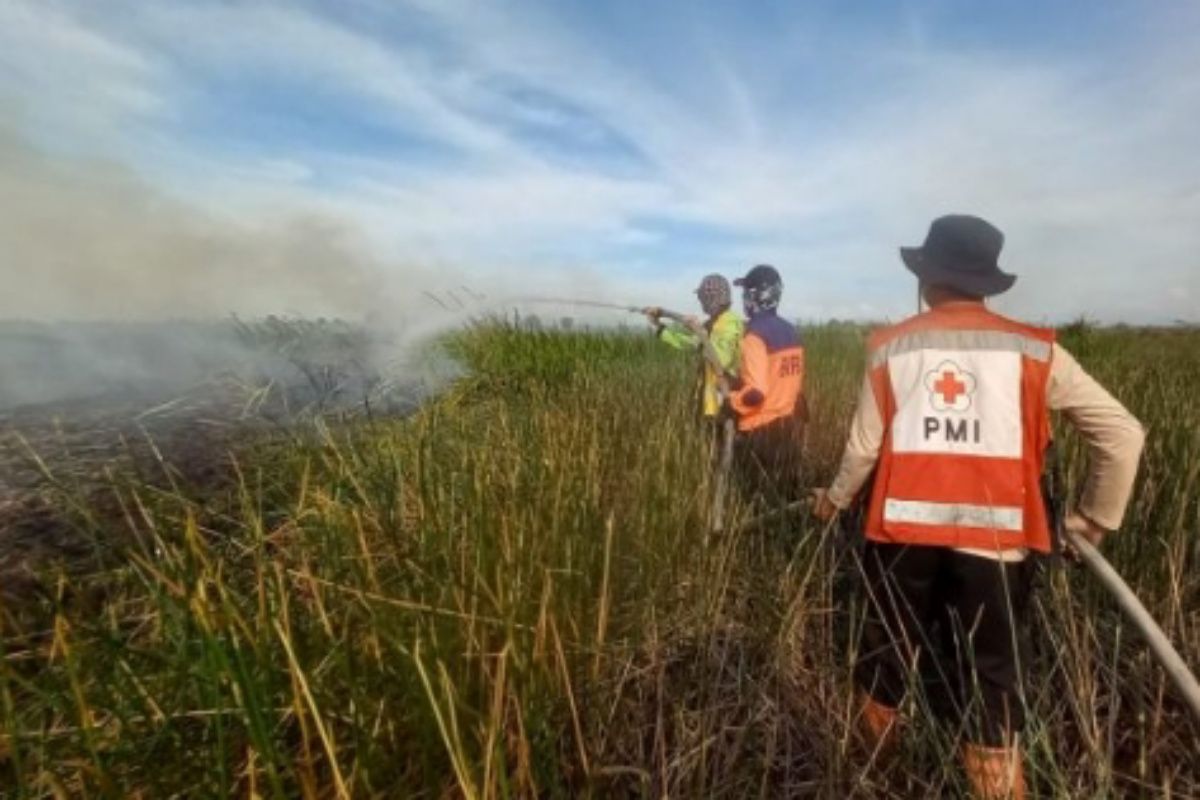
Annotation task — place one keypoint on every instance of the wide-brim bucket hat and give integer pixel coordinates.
(962, 252)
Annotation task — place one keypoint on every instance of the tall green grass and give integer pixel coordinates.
(512, 593)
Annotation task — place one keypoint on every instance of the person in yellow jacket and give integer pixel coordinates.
(724, 329)
(953, 421)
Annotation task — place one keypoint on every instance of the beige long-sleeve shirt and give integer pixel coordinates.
(1113, 436)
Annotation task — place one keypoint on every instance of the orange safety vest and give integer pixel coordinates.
(771, 376)
(962, 392)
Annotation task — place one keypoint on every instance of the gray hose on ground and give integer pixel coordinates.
(1160, 646)
(1164, 652)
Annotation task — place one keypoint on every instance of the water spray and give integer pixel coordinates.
(559, 301)
(686, 320)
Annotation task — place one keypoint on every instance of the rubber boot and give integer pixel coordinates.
(995, 773)
(879, 723)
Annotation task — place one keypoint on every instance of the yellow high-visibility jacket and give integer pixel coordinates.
(725, 333)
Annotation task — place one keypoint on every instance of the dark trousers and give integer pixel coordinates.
(955, 625)
(766, 461)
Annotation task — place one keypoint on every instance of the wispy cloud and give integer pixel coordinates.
(653, 145)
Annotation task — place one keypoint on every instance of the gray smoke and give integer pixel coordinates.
(86, 239)
(109, 285)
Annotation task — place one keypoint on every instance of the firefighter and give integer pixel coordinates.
(953, 420)
(724, 329)
(768, 395)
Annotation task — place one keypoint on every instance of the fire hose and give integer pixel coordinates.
(1160, 645)
(1156, 639)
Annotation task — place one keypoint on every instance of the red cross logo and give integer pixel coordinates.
(950, 387)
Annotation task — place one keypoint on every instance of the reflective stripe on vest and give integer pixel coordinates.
(963, 340)
(1002, 518)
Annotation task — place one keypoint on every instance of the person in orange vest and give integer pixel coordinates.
(953, 420)
(767, 397)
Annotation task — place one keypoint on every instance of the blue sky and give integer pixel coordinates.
(621, 149)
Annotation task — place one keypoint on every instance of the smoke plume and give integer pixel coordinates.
(90, 240)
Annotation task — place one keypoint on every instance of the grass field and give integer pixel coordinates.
(511, 593)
